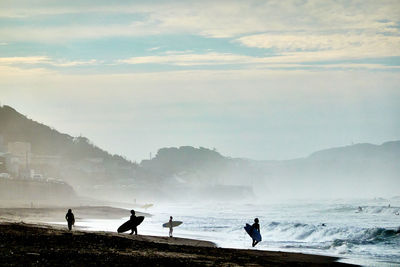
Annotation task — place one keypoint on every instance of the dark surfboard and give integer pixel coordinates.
(128, 225)
(253, 233)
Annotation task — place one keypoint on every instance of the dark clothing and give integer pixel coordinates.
(70, 219)
(171, 229)
(256, 226)
(134, 226)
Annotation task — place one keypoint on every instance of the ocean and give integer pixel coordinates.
(336, 227)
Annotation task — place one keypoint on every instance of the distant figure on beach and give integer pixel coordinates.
(133, 221)
(170, 226)
(70, 219)
(359, 208)
(255, 226)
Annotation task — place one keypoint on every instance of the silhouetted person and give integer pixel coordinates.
(360, 208)
(256, 227)
(170, 226)
(70, 219)
(133, 221)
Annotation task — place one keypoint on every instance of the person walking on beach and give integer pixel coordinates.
(70, 219)
(256, 227)
(170, 226)
(133, 220)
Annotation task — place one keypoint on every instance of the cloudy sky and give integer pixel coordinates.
(255, 79)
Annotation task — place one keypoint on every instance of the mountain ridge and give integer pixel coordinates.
(188, 170)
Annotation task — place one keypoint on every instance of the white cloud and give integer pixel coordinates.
(215, 18)
(24, 60)
(329, 46)
(189, 59)
(291, 60)
(34, 60)
(284, 60)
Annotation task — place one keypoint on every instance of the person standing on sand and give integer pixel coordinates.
(170, 226)
(70, 219)
(133, 221)
(256, 227)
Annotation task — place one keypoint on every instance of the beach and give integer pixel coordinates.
(26, 239)
(47, 245)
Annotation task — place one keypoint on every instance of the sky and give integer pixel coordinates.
(253, 79)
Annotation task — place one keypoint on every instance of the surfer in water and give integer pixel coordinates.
(70, 219)
(255, 226)
(170, 226)
(133, 220)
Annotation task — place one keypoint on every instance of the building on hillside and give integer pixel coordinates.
(22, 151)
(45, 160)
(9, 164)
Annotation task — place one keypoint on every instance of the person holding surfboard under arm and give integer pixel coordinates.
(254, 232)
(133, 221)
(256, 227)
(131, 224)
(170, 226)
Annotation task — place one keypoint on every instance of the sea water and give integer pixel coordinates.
(335, 228)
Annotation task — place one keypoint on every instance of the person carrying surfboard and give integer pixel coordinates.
(170, 226)
(70, 219)
(256, 227)
(133, 221)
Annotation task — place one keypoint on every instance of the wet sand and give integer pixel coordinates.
(57, 214)
(45, 245)
(27, 239)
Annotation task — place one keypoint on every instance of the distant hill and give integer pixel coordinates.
(47, 141)
(356, 170)
(172, 160)
(83, 165)
(359, 151)
(200, 173)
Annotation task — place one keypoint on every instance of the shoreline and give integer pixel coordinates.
(48, 245)
(49, 214)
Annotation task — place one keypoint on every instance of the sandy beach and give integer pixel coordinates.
(26, 239)
(45, 245)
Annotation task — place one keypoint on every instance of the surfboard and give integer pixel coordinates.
(174, 224)
(253, 233)
(128, 225)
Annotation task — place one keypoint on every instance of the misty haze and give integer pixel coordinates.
(155, 133)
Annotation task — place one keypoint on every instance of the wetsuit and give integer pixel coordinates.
(134, 226)
(70, 219)
(255, 226)
(170, 228)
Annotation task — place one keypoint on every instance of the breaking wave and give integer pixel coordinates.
(332, 236)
